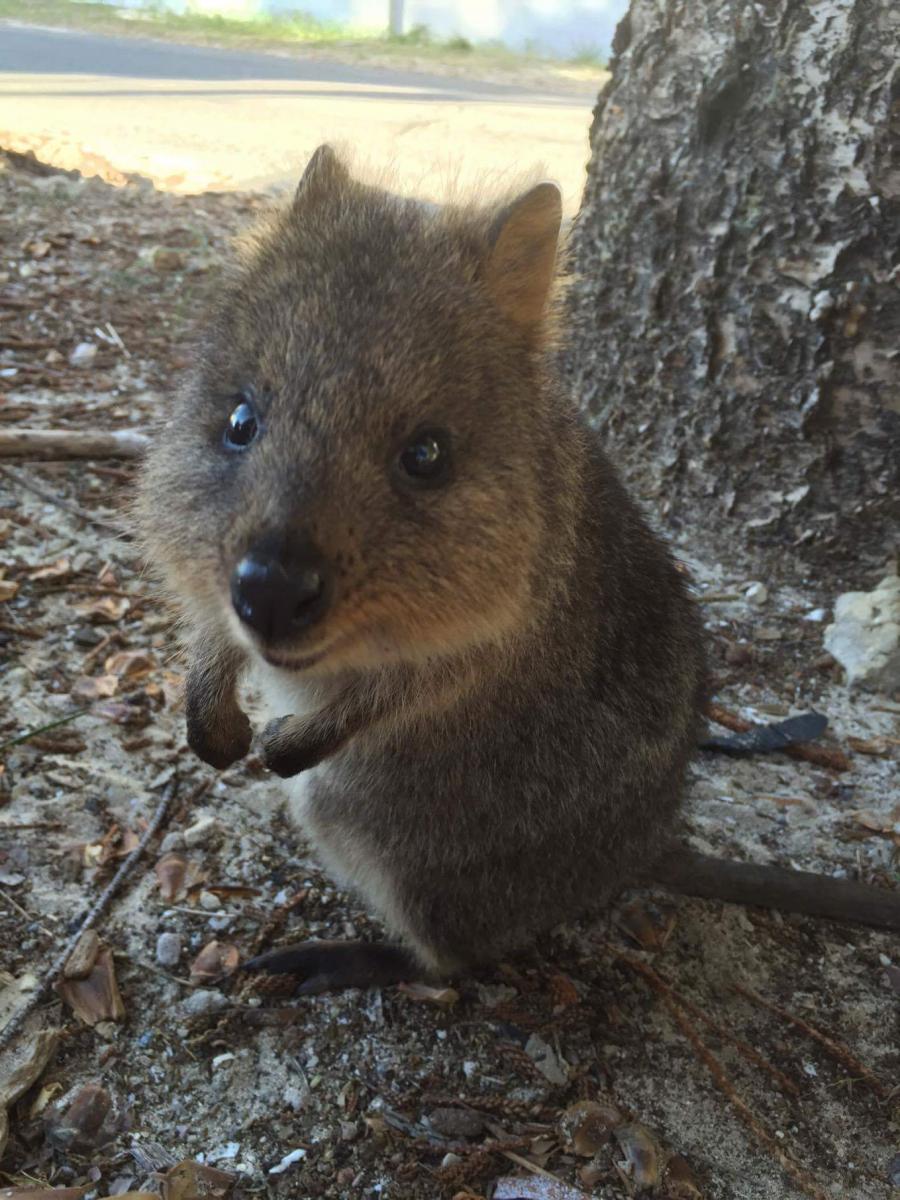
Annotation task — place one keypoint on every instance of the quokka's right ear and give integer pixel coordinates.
(325, 174)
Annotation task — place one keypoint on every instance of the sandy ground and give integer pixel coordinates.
(192, 119)
(357, 1087)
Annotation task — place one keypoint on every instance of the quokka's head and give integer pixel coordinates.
(357, 471)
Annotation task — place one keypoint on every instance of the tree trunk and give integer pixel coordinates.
(735, 311)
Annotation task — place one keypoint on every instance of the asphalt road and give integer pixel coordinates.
(191, 118)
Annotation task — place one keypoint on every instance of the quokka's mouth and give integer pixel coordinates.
(293, 662)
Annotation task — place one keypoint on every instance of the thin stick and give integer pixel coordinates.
(822, 756)
(719, 1075)
(665, 987)
(91, 918)
(32, 825)
(43, 445)
(837, 1050)
(724, 1084)
(534, 1168)
(58, 501)
(30, 733)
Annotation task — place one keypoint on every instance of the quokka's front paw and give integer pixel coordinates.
(289, 745)
(223, 743)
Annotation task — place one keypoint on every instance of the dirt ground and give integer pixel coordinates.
(657, 1011)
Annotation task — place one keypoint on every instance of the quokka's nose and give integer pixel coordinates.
(279, 599)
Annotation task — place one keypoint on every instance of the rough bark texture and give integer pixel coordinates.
(735, 312)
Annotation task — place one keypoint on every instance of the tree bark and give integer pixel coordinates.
(735, 303)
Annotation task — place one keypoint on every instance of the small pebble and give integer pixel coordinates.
(171, 842)
(168, 949)
(87, 635)
(455, 1122)
(203, 1001)
(756, 594)
(349, 1130)
(451, 1160)
(83, 354)
(165, 258)
(209, 901)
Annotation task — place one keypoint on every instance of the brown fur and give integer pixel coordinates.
(508, 694)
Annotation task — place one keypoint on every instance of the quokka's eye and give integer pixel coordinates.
(426, 458)
(243, 426)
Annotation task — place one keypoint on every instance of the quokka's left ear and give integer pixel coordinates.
(521, 263)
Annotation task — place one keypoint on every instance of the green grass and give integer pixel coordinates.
(285, 27)
(293, 29)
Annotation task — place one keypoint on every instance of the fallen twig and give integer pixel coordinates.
(91, 918)
(58, 501)
(720, 1076)
(822, 756)
(837, 1050)
(42, 445)
(30, 733)
(536, 1170)
(665, 987)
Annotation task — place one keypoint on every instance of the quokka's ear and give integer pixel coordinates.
(521, 262)
(325, 174)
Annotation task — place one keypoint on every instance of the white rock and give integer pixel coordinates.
(83, 354)
(756, 594)
(287, 1161)
(204, 1000)
(200, 831)
(865, 635)
(168, 949)
(547, 1061)
(210, 901)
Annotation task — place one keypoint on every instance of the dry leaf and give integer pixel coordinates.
(878, 747)
(20, 1066)
(96, 687)
(95, 998)
(171, 874)
(47, 1093)
(643, 928)
(642, 1154)
(55, 570)
(8, 589)
(129, 664)
(679, 1181)
(588, 1125)
(133, 715)
(215, 961)
(88, 1122)
(885, 823)
(107, 576)
(190, 1180)
(444, 997)
(105, 610)
(565, 993)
